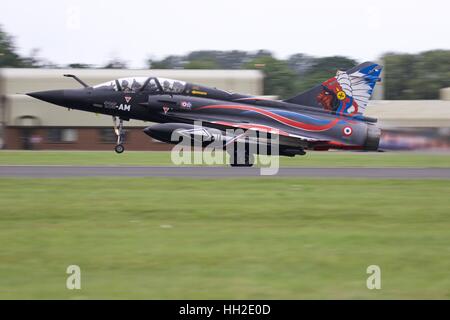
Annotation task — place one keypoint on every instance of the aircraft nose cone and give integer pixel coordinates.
(52, 96)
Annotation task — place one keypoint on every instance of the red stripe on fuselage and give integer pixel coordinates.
(253, 126)
(281, 119)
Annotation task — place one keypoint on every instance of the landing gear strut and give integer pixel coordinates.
(241, 158)
(118, 130)
(245, 160)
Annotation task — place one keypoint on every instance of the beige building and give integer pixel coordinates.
(410, 113)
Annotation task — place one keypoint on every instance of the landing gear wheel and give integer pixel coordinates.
(119, 148)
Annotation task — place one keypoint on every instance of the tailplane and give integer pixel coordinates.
(346, 93)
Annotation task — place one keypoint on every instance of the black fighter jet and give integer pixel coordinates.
(328, 116)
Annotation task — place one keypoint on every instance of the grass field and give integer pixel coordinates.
(312, 159)
(156, 238)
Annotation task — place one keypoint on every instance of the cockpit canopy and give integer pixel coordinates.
(153, 85)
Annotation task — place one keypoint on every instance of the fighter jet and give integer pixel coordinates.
(327, 116)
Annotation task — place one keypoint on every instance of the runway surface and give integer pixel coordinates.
(217, 172)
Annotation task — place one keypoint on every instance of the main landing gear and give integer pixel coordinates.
(241, 157)
(242, 160)
(118, 130)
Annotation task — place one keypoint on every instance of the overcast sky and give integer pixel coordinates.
(94, 31)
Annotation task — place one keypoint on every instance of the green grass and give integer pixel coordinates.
(312, 159)
(156, 238)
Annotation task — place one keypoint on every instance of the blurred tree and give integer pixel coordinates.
(432, 73)
(301, 63)
(233, 59)
(8, 55)
(260, 54)
(419, 76)
(202, 64)
(79, 66)
(398, 70)
(10, 58)
(34, 60)
(115, 63)
(279, 79)
(169, 62)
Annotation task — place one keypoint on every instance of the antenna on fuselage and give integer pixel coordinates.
(77, 79)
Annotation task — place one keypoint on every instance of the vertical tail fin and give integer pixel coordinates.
(346, 93)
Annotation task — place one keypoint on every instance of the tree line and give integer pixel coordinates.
(406, 76)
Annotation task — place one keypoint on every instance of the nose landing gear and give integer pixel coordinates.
(118, 130)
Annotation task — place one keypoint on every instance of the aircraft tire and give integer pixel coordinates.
(119, 148)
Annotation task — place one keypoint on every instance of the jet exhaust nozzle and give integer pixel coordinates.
(373, 138)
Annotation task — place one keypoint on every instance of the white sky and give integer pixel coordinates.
(93, 31)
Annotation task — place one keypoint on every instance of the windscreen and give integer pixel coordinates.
(134, 84)
(131, 84)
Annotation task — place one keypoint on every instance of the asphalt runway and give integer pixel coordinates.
(218, 172)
